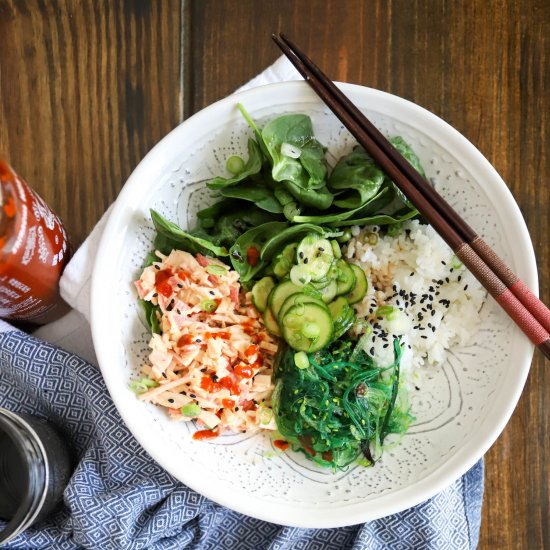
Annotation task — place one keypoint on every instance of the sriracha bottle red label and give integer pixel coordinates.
(33, 252)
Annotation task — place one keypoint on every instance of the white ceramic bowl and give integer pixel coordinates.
(461, 408)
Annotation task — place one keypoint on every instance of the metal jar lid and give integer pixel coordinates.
(47, 463)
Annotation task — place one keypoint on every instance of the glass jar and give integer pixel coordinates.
(33, 252)
(35, 467)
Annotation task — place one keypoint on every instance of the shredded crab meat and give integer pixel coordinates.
(213, 350)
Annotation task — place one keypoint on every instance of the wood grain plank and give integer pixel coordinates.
(484, 67)
(86, 89)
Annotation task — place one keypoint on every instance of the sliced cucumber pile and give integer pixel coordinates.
(308, 299)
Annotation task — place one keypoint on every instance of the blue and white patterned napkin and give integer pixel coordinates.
(119, 498)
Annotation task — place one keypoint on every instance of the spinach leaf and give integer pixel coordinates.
(254, 238)
(292, 233)
(150, 312)
(406, 150)
(355, 179)
(315, 198)
(228, 219)
(309, 170)
(170, 237)
(384, 197)
(261, 195)
(378, 219)
(255, 129)
(252, 166)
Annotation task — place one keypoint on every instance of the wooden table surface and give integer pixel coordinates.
(87, 87)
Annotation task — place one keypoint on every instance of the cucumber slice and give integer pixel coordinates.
(307, 327)
(315, 253)
(279, 294)
(300, 275)
(297, 299)
(260, 293)
(283, 262)
(343, 316)
(271, 323)
(361, 285)
(329, 291)
(345, 277)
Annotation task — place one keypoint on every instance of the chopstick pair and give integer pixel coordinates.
(526, 310)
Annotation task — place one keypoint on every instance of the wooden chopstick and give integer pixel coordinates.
(477, 243)
(532, 316)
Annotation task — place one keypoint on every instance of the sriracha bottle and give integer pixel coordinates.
(34, 249)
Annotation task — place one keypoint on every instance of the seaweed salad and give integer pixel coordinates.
(336, 406)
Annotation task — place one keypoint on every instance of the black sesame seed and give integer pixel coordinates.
(416, 387)
(465, 287)
(192, 395)
(446, 279)
(236, 409)
(306, 260)
(433, 312)
(170, 400)
(444, 263)
(198, 341)
(215, 378)
(203, 370)
(433, 329)
(385, 345)
(321, 249)
(423, 336)
(412, 273)
(459, 278)
(301, 255)
(211, 292)
(164, 375)
(372, 351)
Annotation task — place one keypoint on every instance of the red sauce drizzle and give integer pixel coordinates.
(281, 444)
(205, 434)
(228, 403)
(244, 371)
(185, 340)
(162, 284)
(252, 255)
(251, 350)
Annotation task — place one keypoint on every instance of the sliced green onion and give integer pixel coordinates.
(343, 237)
(388, 312)
(456, 263)
(235, 165)
(215, 269)
(209, 306)
(290, 210)
(372, 239)
(266, 415)
(336, 249)
(142, 385)
(191, 409)
(289, 150)
(301, 360)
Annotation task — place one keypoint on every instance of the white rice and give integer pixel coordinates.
(439, 299)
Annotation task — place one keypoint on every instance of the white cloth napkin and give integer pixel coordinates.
(72, 332)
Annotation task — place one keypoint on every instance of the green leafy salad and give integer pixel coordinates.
(280, 219)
